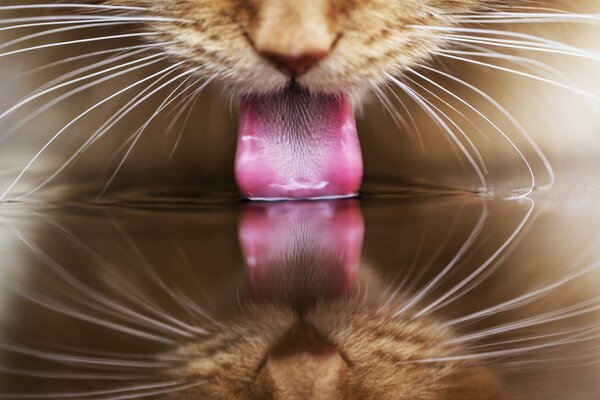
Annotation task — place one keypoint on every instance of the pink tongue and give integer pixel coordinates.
(294, 145)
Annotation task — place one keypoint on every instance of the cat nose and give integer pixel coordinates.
(294, 65)
(294, 35)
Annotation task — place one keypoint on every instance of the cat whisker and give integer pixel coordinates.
(398, 119)
(155, 278)
(495, 126)
(22, 22)
(130, 292)
(90, 109)
(78, 41)
(60, 30)
(525, 62)
(167, 101)
(529, 17)
(54, 23)
(531, 338)
(518, 45)
(457, 126)
(54, 88)
(61, 308)
(190, 105)
(537, 42)
(510, 117)
(57, 85)
(71, 5)
(109, 124)
(401, 286)
(509, 352)
(121, 50)
(520, 73)
(429, 108)
(415, 126)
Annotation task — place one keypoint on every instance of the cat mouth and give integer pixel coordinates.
(296, 144)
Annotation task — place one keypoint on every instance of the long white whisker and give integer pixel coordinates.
(104, 128)
(71, 359)
(46, 106)
(78, 41)
(71, 5)
(87, 55)
(424, 103)
(462, 131)
(58, 307)
(59, 133)
(73, 81)
(143, 128)
(502, 133)
(71, 375)
(509, 116)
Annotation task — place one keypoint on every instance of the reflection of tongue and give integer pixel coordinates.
(294, 144)
(301, 252)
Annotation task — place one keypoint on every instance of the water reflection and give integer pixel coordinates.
(376, 299)
(300, 253)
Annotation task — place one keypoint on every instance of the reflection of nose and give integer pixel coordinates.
(300, 252)
(304, 365)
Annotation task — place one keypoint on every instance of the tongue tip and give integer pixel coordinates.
(300, 198)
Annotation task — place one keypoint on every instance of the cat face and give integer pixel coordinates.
(300, 67)
(325, 45)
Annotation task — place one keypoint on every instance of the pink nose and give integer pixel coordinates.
(294, 66)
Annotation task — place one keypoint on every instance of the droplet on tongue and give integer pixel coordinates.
(296, 145)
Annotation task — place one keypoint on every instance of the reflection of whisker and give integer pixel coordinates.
(156, 279)
(128, 392)
(579, 338)
(72, 375)
(446, 298)
(583, 308)
(525, 298)
(88, 362)
(59, 307)
(93, 294)
(468, 243)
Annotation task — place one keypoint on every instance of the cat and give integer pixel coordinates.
(459, 94)
(324, 56)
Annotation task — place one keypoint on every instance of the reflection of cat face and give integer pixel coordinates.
(150, 301)
(342, 350)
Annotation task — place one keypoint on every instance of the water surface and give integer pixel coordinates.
(92, 291)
